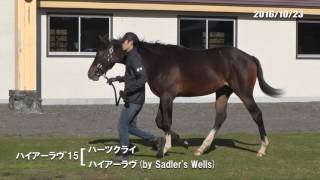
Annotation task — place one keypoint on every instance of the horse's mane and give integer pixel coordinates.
(157, 47)
(154, 47)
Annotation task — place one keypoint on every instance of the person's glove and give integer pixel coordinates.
(111, 80)
(124, 97)
(117, 78)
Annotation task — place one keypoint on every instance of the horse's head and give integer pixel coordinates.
(108, 53)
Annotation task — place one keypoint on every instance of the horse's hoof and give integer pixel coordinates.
(185, 144)
(260, 154)
(160, 155)
(198, 153)
(161, 144)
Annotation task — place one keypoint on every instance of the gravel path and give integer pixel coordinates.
(101, 120)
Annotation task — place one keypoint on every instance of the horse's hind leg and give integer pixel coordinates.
(222, 96)
(256, 114)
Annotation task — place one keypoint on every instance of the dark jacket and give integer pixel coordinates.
(135, 78)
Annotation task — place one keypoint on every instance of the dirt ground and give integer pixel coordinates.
(101, 120)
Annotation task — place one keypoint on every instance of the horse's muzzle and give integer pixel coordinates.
(94, 75)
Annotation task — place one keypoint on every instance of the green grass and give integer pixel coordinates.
(289, 156)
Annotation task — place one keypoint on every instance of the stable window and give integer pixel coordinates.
(76, 34)
(204, 33)
(308, 40)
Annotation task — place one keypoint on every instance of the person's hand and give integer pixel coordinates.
(110, 80)
(123, 95)
(117, 78)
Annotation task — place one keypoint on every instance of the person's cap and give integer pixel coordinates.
(131, 37)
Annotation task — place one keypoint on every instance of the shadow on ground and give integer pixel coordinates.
(194, 142)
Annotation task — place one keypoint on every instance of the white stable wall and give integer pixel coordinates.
(65, 81)
(274, 44)
(7, 48)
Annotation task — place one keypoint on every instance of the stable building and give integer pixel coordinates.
(47, 46)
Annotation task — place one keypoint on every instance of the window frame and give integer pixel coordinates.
(79, 53)
(305, 56)
(207, 19)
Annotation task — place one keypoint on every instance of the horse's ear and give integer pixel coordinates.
(101, 38)
(104, 39)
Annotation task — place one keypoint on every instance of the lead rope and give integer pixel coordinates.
(116, 99)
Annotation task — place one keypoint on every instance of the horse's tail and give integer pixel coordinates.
(265, 87)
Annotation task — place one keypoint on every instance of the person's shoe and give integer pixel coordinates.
(136, 149)
(160, 147)
(122, 157)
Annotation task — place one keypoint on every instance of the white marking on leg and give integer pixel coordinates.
(168, 145)
(263, 148)
(206, 143)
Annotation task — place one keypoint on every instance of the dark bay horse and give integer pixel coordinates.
(175, 71)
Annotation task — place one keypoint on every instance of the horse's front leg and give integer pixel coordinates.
(164, 122)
